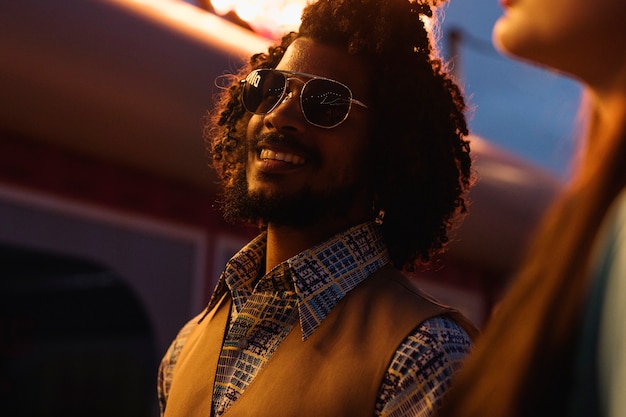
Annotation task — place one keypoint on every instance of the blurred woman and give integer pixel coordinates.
(557, 344)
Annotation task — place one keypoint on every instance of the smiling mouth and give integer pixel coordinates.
(267, 154)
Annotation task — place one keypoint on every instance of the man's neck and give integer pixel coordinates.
(284, 242)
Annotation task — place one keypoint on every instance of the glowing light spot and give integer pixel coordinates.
(270, 18)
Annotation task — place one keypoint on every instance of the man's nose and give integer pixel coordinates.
(287, 114)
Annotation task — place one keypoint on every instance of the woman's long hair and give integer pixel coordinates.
(522, 366)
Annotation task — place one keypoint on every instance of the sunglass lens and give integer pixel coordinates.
(262, 90)
(325, 103)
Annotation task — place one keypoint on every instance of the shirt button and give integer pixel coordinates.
(243, 343)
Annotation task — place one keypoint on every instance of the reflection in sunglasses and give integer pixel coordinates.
(324, 102)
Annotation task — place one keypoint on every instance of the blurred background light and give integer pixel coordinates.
(269, 18)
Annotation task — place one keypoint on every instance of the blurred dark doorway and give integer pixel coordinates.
(74, 340)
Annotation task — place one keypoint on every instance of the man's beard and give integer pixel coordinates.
(306, 207)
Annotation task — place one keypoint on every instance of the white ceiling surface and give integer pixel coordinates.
(130, 82)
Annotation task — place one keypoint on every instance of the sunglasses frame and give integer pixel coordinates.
(288, 75)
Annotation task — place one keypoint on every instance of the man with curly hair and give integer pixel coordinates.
(345, 143)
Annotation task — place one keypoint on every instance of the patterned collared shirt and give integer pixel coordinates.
(303, 290)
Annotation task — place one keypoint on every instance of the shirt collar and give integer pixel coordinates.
(321, 276)
(242, 270)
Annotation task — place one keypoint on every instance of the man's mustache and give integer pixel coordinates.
(270, 138)
(273, 137)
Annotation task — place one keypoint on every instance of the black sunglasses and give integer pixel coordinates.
(324, 102)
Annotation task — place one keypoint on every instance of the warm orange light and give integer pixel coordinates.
(270, 18)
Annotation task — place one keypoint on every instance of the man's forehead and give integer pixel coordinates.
(311, 57)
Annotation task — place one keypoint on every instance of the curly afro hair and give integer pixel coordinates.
(423, 165)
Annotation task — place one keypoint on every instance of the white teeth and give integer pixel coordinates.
(282, 156)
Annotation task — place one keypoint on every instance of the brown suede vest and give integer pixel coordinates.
(337, 371)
